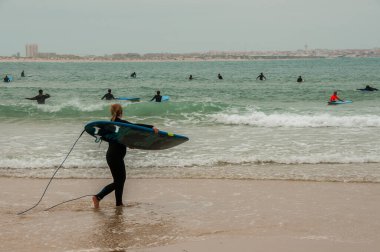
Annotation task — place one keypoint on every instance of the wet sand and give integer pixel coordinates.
(191, 215)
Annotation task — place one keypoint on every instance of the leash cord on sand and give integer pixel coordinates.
(47, 209)
(43, 194)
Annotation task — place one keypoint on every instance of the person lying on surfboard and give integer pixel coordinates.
(115, 160)
(368, 88)
(334, 97)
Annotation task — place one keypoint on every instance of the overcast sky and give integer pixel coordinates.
(119, 26)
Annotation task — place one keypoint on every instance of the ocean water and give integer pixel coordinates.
(239, 127)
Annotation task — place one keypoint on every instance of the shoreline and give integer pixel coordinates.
(191, 215)
(334, 173)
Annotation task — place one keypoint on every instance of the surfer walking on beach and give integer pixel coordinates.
(157, 97)
(115, 160)
(261, 77)
(108, 96)
(40, 97)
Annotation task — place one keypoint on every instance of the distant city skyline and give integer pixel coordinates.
(94, 27)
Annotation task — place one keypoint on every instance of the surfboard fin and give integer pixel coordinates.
(98, 138)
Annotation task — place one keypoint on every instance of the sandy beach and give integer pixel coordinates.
(192, 215)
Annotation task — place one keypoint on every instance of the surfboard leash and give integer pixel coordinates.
(88, 195)
(47, 186)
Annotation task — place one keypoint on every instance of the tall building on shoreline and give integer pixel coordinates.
(31, 50)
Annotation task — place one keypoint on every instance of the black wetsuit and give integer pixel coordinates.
(261, 77)
(108, 96)
(40, 98)
(368, 88)
(115, 160)
(6, 79)
(157, 97)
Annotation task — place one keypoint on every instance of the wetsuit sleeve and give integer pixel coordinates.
(103, 97)
(33, 98)
(154, 97)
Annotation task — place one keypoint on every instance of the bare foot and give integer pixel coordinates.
(95, 201)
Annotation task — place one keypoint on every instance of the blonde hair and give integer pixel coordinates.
(116, 111)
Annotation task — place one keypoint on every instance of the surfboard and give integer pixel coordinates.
(366, 90)
(339, 102)
(165, 98)
(133, 136)
(128, 99)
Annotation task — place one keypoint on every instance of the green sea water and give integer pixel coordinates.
(239, 127)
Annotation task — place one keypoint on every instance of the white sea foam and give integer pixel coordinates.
(207, 161)
(261, 119)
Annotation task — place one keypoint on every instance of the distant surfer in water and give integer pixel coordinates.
(108, 96)
(368, 88)
(220, 77)
(190, 77)
(133, 75)
(334, 97)
(299, 79)
(157, 97)
(22, 73)
(40, 97)
(115, 160)
(6, 79)
(261, 77)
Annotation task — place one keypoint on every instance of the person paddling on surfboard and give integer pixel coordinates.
(108, 96)
(157, 97)
(368, 88)
(133, 75)
(334, 97)
(40, 97)
(115, 160)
